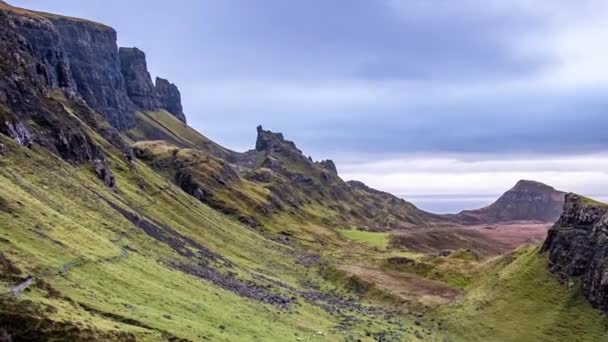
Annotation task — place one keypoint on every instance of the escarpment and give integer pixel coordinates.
(145, 94)
(577, 246)
(93, 54)
(137, 78)
(81, 58)
(170, 98)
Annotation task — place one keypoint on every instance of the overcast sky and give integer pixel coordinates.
(415, 97)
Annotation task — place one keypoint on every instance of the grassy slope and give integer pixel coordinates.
(162, 125)
(517, 299)
(56, 219)
(54, 213)
(374, 239)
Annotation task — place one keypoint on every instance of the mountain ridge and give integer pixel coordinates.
(121, 222)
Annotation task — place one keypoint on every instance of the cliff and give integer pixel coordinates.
(93, 55)
(170, 98)
(81, 58)
(139, 84)
(145, 94)
(578, 249)
(526, 201)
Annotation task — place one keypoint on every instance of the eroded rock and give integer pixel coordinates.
(170, 98)
(578, 247)
(139, 84)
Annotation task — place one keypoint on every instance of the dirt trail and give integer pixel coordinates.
(406, 286)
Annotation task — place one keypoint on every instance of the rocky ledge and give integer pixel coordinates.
(578, 247)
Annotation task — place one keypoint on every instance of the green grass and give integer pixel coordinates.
(517, 299)
(374, 239)
(593, 203)
(56, 215)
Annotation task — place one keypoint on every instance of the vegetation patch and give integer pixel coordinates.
(373, 239)
(516, 299)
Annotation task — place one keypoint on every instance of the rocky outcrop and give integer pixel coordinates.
(19, 133)
(330, 166)
(170, 98)
(577, 246)
(526, 201)
(146, 95)
(268, 141)
(93, 56)
(43, 41)
(139, 84)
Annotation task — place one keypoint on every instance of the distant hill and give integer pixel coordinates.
(526, 201)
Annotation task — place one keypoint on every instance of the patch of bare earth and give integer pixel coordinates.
(488, 240)
(407, 286)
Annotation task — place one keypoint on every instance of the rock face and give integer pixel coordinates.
(527, 201)
(82, 59)
(170, 98)
(329, 165)
(54, 71)
(578, 247)
(269, 141)
(44, 42)
(146, 95)
(93, 56)
(140, 88)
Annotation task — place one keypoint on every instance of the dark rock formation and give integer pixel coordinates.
(103, 172)
(76, 56)
(139, 84)
(273, 142)
(578, 247)
(42, 40)
(526, 201)
(330, 166)
(170, 98)
(19, 133)
(93, 55)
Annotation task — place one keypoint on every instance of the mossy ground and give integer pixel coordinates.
(374, 239)
(60, 213)
(53, 213)
(516, 299)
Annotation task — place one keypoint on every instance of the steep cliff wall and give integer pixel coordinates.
(141, 90)
(41, 39)
(170, 98)
(95, 65)
(82, 59)
(578, 247)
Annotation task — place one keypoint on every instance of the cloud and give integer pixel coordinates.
(453, 175)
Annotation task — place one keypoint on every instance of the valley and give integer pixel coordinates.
(120, 222)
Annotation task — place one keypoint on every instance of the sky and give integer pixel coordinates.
(446, 103)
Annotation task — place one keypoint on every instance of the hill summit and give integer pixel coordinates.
(526, 201)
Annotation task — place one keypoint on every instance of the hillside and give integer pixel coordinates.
(526, 201)
(122, 223)
(98, 245)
